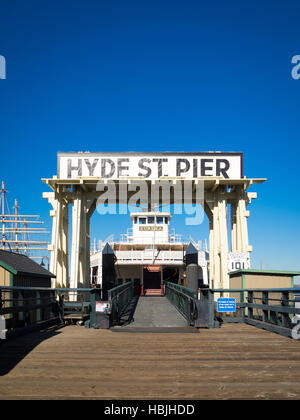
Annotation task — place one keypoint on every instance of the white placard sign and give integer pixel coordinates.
(149, 165)
(238, 261)
(102, 306)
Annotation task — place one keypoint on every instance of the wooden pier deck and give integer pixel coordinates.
(236, 361)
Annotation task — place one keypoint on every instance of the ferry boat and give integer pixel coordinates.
(149, 253)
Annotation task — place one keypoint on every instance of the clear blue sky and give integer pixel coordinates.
(156, 76)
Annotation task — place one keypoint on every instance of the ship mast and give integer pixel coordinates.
(15, 231)
(16, 224)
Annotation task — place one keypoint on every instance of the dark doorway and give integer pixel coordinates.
(152, 280)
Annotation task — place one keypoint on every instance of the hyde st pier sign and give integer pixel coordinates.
(150, 165)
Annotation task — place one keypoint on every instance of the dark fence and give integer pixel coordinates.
(78, 305)
(119, 297)
(274, 310)
(25, 308)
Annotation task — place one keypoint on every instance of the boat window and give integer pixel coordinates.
(142, 220)
(135, 220)
(151, 220)
(160, 220)
(166, 220)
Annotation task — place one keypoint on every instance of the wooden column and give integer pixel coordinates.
(216, 210)
(223, 241)
(233, 227)
(80, 257)
(75, 279)
(60, 238)
(62, 271)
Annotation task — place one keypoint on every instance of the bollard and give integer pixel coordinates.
(191, 260)
(192, 276)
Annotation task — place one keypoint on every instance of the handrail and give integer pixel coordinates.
(90, 297)
(270, 289)
(183, 298)
(24, 308)
(273, 309)
(182, 289)
(119, 297)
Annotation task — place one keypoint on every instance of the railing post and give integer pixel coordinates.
(118, 308)
(274, 317)
(20, 303)
(250, 300)
(286, 322)
(61, 299)
(242, 301)
(265, 301)
(38, 302)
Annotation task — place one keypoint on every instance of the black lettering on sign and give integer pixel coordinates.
(182, 166)
(104, 174)
(77, 168)
(90, 167)
(159, 166)
(205, 167)
(195, 168)
(222, 167)
(145, 168)
(122, 168)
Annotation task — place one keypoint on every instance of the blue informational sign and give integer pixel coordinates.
(226, 305)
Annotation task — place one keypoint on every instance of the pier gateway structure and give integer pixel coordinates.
(213, 179)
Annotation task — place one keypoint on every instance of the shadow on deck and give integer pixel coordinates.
(128, 315)
(14, 350)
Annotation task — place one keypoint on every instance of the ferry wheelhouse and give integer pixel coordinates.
(149, 253)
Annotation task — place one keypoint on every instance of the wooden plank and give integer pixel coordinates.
(234, 361)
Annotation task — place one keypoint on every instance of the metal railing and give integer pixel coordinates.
(147, 256)
(183, 298)
(274, 310)
(119, 297)
(78, 305)
(25, 308)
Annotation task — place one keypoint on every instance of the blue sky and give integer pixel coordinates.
(156, 76)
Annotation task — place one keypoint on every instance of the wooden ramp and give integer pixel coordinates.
(235, 361)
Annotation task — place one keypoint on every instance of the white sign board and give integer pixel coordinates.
(238, 261)
(149, 165)
(102, 307)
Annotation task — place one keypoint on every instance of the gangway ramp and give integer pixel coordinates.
(153, 314)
